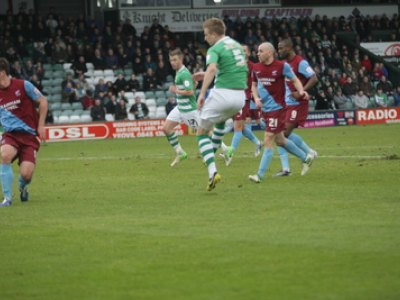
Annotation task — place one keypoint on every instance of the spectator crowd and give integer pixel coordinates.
(347, 77)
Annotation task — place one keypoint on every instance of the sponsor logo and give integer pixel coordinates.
(378, 114)
(393, 50)
(95, 131)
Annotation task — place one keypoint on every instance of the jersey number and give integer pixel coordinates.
(272, 122)
(239, 57)
(293, 115)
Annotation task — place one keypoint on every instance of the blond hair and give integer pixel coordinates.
(215, 25)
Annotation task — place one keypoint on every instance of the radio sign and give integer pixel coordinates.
(378, 116)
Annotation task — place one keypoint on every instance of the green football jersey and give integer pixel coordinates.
(231, 64)
(184, 81)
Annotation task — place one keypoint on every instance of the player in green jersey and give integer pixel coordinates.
(186, 110)
(226, 62)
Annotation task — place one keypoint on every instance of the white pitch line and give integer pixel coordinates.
(165, 156)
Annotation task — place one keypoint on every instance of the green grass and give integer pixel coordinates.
(111, 220)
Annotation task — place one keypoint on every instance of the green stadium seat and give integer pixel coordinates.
(390, 101)
(57, 67)
(169, 94)
(160, 94)
(55, 106)
(47, 67)
(161, 101)
(66, 106)
(76, 105)
(371, 102)
(47, 83)
(149, 94)
(59, 74)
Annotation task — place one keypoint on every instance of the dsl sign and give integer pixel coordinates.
(77, 132)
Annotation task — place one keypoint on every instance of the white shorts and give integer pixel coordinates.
(220, 105)
(189, 118)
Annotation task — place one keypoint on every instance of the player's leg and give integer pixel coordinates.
(248, 133)
(26, 172)
(27, 158)
(291, 147)
(265, 158)
(297, 117)
(283, 153)
(8, 153)
(238, 127)
(217, 135)
(171, 122)
(298, 140)
(207, 152)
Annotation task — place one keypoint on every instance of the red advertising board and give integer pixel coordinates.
(378, 116)
(115, 130)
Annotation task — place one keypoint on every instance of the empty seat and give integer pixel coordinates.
(59, 74)
(161, 101)
(63, 119)
(86, 118)
(98, 73)
(57, 82)
(55, 106)
(85, 113)
(67, 112)
(161, 114)
(140, 94)
(169, 94)
(109, 78)
(58, 67)
(76, 105)
(131, 116)
(89, 66)
(67, 66)
(89, 73)
(129, 95)
(149, 94)
(75, 118)
(108, 72)
(151, 102)
(109, 117)
(65, 106)
(160, 94)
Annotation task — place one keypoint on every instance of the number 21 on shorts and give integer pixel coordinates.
(272, 122)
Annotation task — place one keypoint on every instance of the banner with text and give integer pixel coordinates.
(115, 130)
(378, 116)
(330, 118)
(383, 49)
(189, 20)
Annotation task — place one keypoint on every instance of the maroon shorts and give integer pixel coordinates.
(243, 113)
(297, 114)
(275, 120)
(255, 114)
(27, 145)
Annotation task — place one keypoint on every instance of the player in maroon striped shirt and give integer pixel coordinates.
(297, 107)
(23, 130)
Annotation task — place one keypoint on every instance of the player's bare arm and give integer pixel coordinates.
(43, 107)
(198, 76)
(299, 87)
(256, 96)
(311, 82)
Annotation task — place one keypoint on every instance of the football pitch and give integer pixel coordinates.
(111, 219)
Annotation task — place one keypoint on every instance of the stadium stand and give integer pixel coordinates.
(331, 45)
